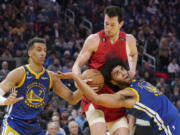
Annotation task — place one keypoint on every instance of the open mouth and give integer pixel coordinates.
(127, 77)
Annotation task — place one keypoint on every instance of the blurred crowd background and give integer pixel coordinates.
(65, 24)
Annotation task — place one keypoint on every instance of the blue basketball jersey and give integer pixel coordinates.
(155, 107)
(35, 90)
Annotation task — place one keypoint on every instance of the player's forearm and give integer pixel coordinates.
(132, 60)
(76, 69)
(86, 90)
(76, 97)
(98, 99)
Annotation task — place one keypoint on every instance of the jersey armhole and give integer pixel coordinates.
(136, 92)
(24, 77)
(50, 78)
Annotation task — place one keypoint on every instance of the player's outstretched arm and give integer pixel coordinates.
(116, 100)
(13, 79)
(64, 92)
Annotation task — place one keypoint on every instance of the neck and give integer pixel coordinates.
(36, 68)
(114, 38)
(123, 85)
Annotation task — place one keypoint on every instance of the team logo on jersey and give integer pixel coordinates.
(149, 87)
(44, 78)
(29, 77)
(35, 95)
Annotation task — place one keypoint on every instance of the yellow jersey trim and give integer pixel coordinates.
(137, 94)
(9, 130)
(24, 77)
(133, 80)
(50, 79)
(35, 74)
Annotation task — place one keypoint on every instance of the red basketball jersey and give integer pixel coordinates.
(107, 50)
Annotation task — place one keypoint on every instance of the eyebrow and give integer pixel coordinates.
(115, 72)
(41, 47)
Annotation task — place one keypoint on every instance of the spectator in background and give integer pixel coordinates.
(68, 66)
(175, 94)
(178, 105)
(81, 119)
(6, 54)
(152, 44)
(161, 83)
(173, 67)
(56, 118)
(56, 66)
(164, 53)
(73, 128)
(66, 57)
(86, 129)
(53, 129)
(4, 71)
(175, 81)
(64, 119)
(50, 59)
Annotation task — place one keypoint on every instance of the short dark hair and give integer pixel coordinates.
(109, 66)
(112, 11)
(35, 40)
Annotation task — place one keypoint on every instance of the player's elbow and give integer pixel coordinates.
(73, 102)
(97, 100)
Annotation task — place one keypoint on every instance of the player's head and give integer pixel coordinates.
(115, 72)
(37, 50)
(113, 20)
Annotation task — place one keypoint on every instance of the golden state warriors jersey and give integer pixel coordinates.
(153, 106)
(35, 89)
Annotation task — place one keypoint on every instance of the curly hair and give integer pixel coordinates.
(109, 66)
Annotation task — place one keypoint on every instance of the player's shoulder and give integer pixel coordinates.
(92, 42)
(51, 73)
(17, 73)
(131, 40)
(19, 70)
(93, 37)
(130, 37)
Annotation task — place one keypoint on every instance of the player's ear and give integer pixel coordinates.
(121, 23)
(29, 53)
(113, 82)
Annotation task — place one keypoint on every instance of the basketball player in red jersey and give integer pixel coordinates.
(96, 50)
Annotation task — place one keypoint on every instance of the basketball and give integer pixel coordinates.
(96, 77)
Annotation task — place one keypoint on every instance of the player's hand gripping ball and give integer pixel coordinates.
(96, 79)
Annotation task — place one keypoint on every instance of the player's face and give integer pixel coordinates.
(111, 26)
(38, 53)
(120, 76)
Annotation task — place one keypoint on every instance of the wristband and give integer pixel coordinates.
(2, 99)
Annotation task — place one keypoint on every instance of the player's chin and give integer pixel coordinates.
(127, 80)
(109, 34)
(41, 62)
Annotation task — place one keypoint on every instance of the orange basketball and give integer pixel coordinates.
(96, 77)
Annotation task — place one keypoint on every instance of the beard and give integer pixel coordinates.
(123, 84)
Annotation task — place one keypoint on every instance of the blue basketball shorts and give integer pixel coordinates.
(14, 126)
